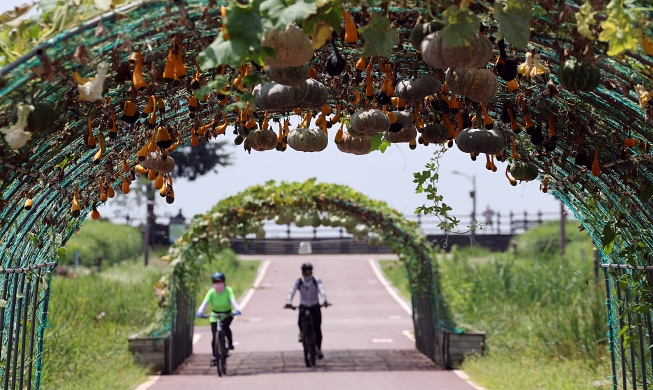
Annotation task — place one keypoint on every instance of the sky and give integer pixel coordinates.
(387, 177)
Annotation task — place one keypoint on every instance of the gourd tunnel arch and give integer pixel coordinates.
(244, 213)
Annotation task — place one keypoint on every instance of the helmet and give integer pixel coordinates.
(307, 267)
(217, 277)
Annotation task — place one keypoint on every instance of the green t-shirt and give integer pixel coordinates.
(220, 302)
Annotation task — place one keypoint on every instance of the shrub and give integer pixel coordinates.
(112, 242)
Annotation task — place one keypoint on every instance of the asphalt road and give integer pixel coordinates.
(366, 337)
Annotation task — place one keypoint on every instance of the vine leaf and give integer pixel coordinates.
(608, 235)
(460, 25)
(281, 12)
(619, 30)
(221, 52)
(646, 193)
(329, 11)
(514, 22)
(379, 36)
(585, 20)
(378, 143)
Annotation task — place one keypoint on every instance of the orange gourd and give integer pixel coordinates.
(137, 74)
(369, 87)
(514, 126)
(487, 120)
(360, 64)
(630, 142)
(351, 35)
(125, 184)
(223, 14)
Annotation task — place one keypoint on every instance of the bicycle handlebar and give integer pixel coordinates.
(297, 307)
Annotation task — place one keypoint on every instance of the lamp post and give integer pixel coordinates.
(472, 194)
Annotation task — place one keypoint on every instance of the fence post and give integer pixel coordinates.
(288, 230)
(539, 217)
(512, 226)
(498, 223)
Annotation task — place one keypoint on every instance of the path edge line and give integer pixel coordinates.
(463, 375)
(260, 274)
(392, 290)
(146, 385)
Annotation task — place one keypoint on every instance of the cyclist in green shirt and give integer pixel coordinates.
(222, 301)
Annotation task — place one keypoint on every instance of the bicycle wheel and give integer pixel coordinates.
(312, 353)
(222, 363)
(219, 352)
(306, 331)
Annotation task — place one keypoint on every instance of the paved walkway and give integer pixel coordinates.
(365, 342)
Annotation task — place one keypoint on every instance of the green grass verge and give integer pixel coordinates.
(542, 313)
(85, 349)
(112, 242)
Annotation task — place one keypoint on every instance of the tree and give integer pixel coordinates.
(192, 162)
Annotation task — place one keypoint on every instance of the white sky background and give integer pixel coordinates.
(386, 177)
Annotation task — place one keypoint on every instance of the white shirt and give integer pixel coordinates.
(309, 288)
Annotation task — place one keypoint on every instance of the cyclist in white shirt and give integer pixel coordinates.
(310, 287)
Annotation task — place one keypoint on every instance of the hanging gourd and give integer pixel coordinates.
(360, 64)
(630, 142)
(130, 114)
(351, 35)
(137, 75)
(163, 139)
(90, 138)
(369, 87)
(28, 204)
(512, 181)
(405, 135)
(95, 215)
(290, 75)
(262, 140)
(524, 69)
(524, 170)
(540, 72)
(479, 141)
(272, 96)
(113, 129)
(530, 127)
(316, 96)
(514, 126)
(366, 123)
(506, 67)
(576, 76)
(291, 46)
(16, 136)
(421, 30)
(354, 145)
(307, 140)
(91, 91)
(40, 117)
(103, 194)
(417, 89)
(435, 133)
(156, 162)
(478, 85)
(440, 55)
(647, 46)
(75, 210)
(98, 155)
(334, 64)
(487, 119)
(125, 184)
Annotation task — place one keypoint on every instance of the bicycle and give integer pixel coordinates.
(308, 334)
(220, 350)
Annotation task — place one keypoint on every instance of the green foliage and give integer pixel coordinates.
(514, 22)
(619, 29)
(378, 143)
(380, 37)
(460, 25)
(427, 183)
(281, 12)
(112, 242)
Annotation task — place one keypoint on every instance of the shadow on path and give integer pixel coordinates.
(255, 363)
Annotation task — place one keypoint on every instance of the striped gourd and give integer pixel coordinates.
(576, 76)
